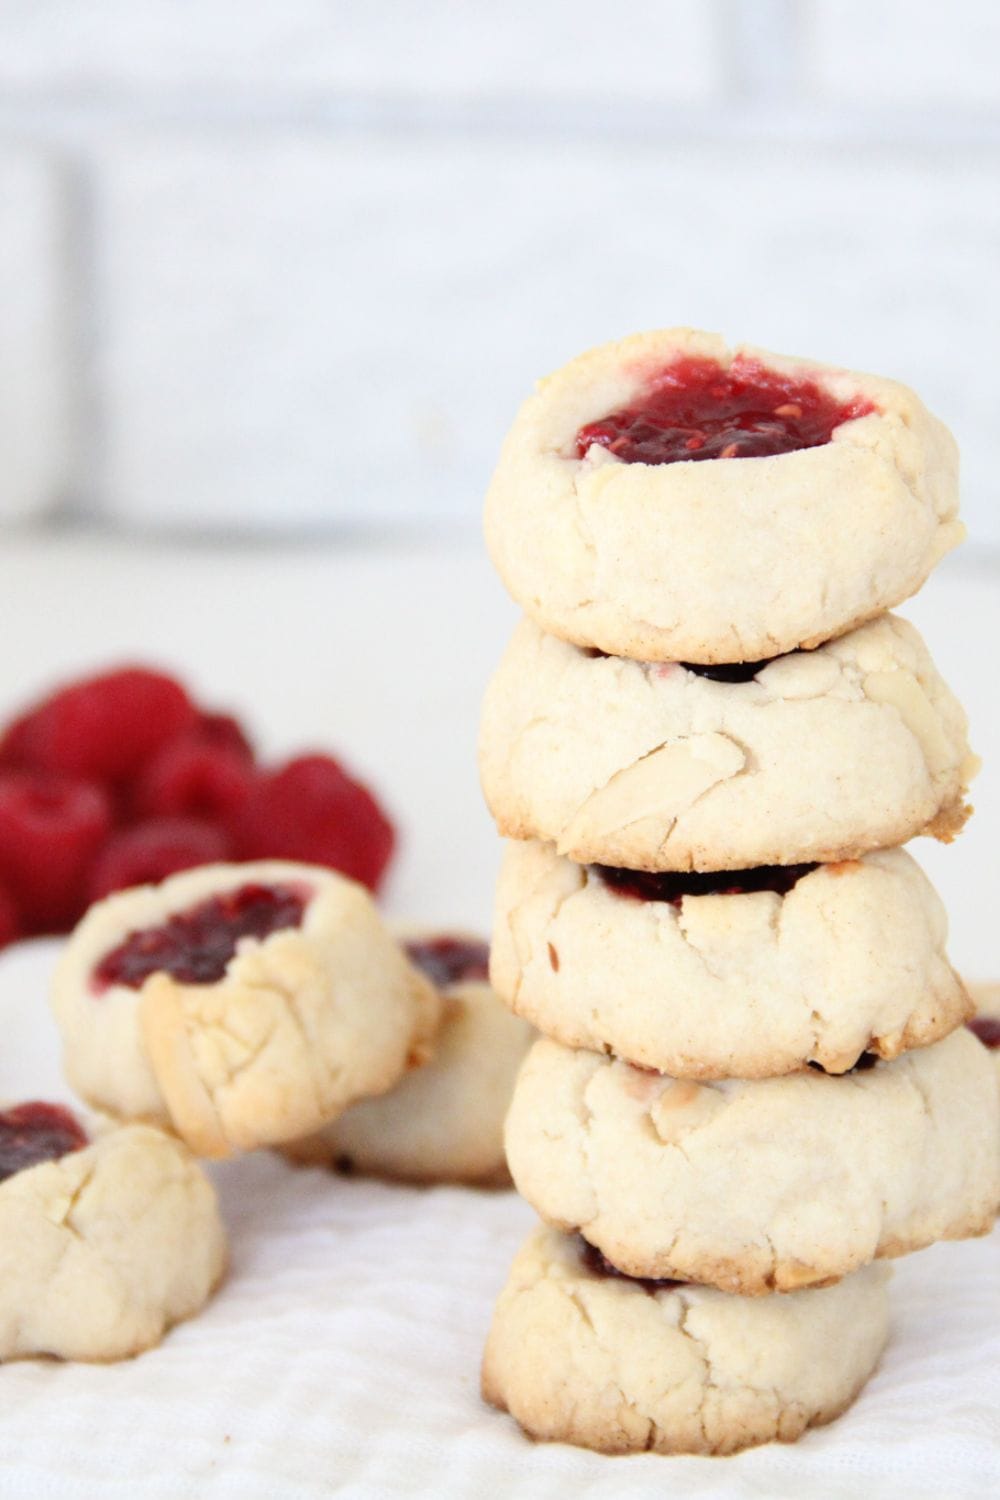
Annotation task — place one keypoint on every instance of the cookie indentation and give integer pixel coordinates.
(599, 1265)
(196, 946)
(673, 885)
(36, 1132)
(694, 409)
(987, 1029)
(728, 671)
(450, 960)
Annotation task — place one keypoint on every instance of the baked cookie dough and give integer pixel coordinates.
(670, 499)
(444, 1122)
(604, 1362)
(759, 1186)
(103, 1246)
(810, 964)
(986, 1021)
(239, 1005)
(821, 755)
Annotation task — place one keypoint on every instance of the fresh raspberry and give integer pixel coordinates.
(152, 850)
(311, 810)
(102, 727)
(191, 777)
(10, 922)
(224, 732)
(50, 829)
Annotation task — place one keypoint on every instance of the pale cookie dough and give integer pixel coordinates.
(851, 959)
(444, 1122)
(729, 559)
(104, 1249)
(857, 745)
(607, 1363)
(986, 1022)
(299, 1026)
(758, 1186)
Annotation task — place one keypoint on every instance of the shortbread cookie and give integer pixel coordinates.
(670, 499)
(239, 1005)
(759, 1186)
(580, 1356)
(986, 1021)
(444, 1122)
(818, 756)
(103, 1247)
(736, 974)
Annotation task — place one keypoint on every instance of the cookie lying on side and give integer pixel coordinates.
(444, 1121)
(239, 1005)
(103, 1245)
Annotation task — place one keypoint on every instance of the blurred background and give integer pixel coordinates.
(289, 267)
(275, 277)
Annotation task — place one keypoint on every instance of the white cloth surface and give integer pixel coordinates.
(341, 1355)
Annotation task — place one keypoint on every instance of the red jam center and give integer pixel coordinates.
(987, 1029)
(33, 1133)
(695, 409)
(599, 1265)
(196, 946)
(865, 1061)
(722, 671)
(450, 960)
(728, 671)
(673, 886)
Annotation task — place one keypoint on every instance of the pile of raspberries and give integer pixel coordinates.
(121, 779)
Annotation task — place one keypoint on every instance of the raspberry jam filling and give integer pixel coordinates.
(33, 1133)
(728, 671)
(450, 960)
(722, 671)
(987, 1029)
(599, 1265)
(694, 409)
(196, 945)
(865, 1061)
(673, 886)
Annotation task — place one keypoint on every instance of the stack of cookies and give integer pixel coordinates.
(708, 741)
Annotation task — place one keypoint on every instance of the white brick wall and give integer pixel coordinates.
(36, 430)
(666, 49)
(320, 250)
(904, 52)
(370, 312)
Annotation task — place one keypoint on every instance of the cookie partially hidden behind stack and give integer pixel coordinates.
(444, 1121)
(708, 741)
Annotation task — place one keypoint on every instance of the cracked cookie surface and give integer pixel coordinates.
(850, 959)
(105, 1248)
(733, 559)
(823, 755)
(444, 1121)
(604, 1363)
(303, 1021)
(752, 1187)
